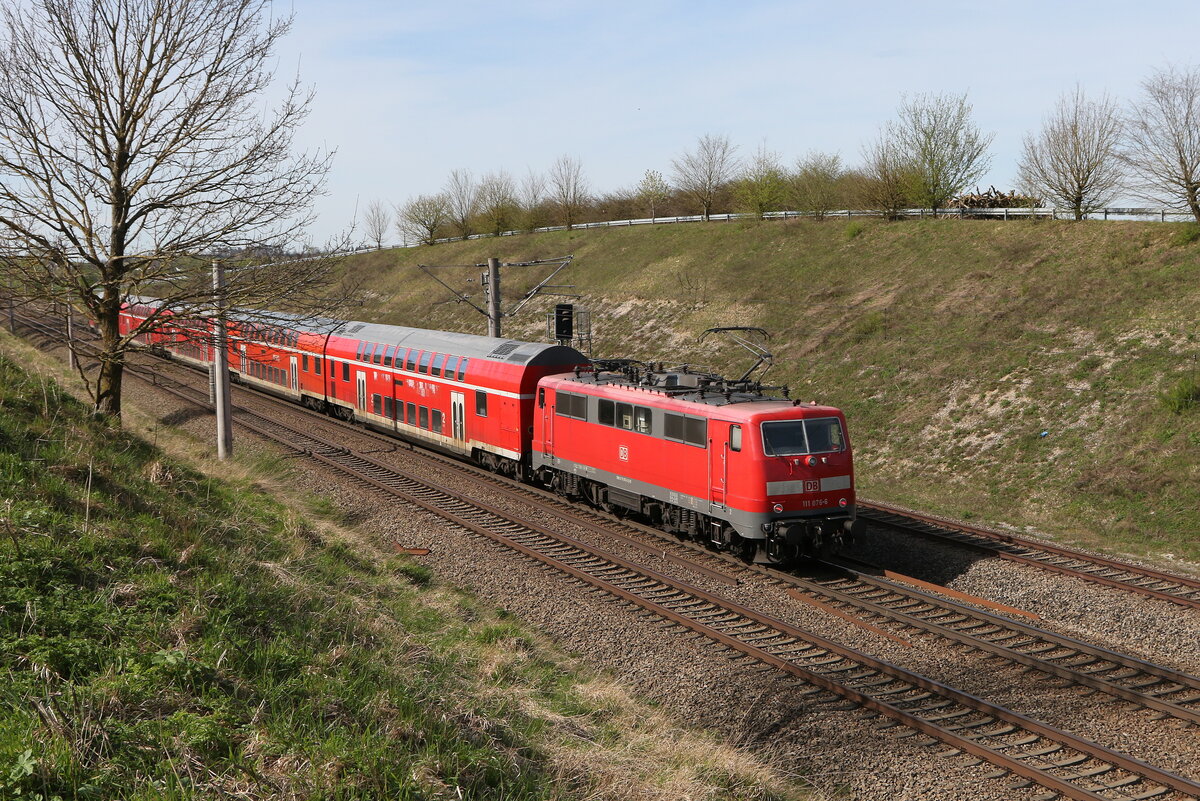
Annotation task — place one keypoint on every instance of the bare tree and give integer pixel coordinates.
(423, 218)
(817, 187)
(132, 141)
(702, 173)
(376, 222)
(1074, 159)
(1163, 139)
(886, 179)
(532, 199)
(498, 204)
(762, 186)
(462, 201)
(945, 151)
(653, 191)
(568, 188)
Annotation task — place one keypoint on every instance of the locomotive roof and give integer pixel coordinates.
(471, 346)
(705, 388)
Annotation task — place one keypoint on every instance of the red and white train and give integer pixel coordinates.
(767, 477)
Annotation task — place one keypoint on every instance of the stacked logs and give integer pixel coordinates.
(993, 199)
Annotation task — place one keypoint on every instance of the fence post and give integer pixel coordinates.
(1162, 215)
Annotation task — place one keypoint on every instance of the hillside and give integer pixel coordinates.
(1001, 372)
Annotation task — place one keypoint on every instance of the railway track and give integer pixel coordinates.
(1057, 760)
(1017, 745)
(1145, 581)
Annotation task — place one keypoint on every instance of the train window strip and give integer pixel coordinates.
(358, 356)
(423, 365)
(387, 356)
(690, 430)
(462, 368)
(570, 405)
(436, 369)
(411, 363)
(451, 365)
(625, 416)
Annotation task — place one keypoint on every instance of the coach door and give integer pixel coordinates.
(458, 416)
(718, 461)
(295, 380)
(361, 376)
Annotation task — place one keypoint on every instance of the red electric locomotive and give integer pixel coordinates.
(720, 461)
(710, 459)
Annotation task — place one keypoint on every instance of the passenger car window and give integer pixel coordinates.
(387, 356)
(423, 365)
(411, 364)
(481, 403)
(437, 365)
(462, 368)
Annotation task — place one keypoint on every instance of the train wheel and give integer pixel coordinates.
(743, 548)
(779, 553)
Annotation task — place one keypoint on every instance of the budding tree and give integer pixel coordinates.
(376, 222)
(498, 203)
(1074, 159)
(942, 148)
(816, 187)
(762, 186)
(1163, 139)
(134, 144)
(703, 172)
(462, 201)
(568, 188)
(423, 218)
(652, 191)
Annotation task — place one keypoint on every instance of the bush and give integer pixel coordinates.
(853, 229)
(1182, 397)
(1186, 234)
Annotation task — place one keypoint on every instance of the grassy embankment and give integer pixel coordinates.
(1004, 372)
(165, 634)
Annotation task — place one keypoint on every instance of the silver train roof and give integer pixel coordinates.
(472, 346)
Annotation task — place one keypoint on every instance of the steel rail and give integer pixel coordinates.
(1177, 589)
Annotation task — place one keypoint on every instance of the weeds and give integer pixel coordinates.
(1184, 396)
(1186, 234)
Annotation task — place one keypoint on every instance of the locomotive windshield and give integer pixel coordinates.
(796, 437)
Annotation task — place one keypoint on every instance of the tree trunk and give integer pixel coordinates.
(112, 359)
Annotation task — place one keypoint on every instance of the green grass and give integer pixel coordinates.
(165, 635)
(951, 344)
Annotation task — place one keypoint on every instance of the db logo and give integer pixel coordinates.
(812, 486)
(623, 453)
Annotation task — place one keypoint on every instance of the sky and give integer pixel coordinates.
(405, 92)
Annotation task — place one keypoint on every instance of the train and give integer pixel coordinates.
(723, 462)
